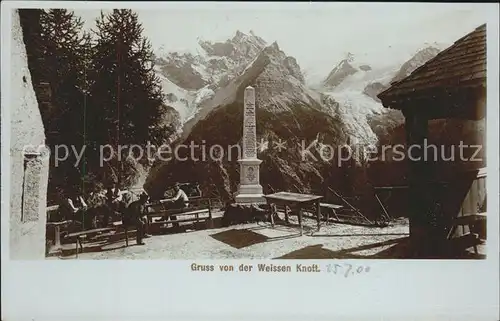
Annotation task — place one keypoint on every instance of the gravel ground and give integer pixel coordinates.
(332, 241)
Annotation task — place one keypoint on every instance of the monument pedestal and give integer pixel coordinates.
(249, 190)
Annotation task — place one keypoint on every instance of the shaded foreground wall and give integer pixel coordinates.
(29, 163)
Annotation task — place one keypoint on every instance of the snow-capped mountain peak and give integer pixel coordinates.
(189, 79)
(340, 72)
(354, 86)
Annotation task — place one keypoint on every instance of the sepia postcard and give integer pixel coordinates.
(344, 155)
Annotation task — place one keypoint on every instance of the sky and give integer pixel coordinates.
(318, 35)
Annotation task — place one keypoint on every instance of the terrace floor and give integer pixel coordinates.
(261, 241)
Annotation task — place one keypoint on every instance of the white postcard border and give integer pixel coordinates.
(157, 290)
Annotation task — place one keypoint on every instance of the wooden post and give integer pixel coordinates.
(57, 237)
(418, 207)
(300, 221)
(210, 220)
(77, 243)
(318, 212)
(272, 207)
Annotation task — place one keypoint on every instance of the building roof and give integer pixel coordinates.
(461, 65)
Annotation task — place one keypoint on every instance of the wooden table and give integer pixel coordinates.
(294, 201)
(57, 232)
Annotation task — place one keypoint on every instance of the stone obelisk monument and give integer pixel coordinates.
(250, 190)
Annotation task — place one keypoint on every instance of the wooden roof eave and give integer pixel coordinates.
(438, 102)
(448, 88)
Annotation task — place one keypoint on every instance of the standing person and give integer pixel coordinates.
(179, 201)
(126, 198)
(136, 214)
(122, 207)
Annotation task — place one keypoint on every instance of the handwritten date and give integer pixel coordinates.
(347, 269)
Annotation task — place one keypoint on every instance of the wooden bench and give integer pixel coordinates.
(99, 233)
(330, 208)
(468, 220)
(464, 242)
(467, 240)
(200, 212)
(116, 235)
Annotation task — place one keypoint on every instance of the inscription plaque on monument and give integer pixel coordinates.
(250, 174)
(249, 131)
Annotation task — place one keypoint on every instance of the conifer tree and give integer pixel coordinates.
(126, 96)
(53, 41)
(63, 54)
(64, 60)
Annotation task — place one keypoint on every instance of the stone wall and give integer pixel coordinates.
(29, 157)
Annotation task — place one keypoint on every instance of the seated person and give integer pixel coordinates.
(113, 194)
(180, 200)
(76, 210)
(80, 202)
(89, 219)
(67, 208)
